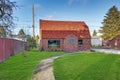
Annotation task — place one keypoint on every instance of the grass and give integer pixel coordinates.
(21, 68)
(101, 47)
(93, 66)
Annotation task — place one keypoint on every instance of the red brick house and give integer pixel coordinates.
(115, 42)
(69, 36)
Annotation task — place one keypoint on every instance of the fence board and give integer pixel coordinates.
(1, 51)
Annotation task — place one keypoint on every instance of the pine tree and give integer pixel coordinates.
(111, 24)
(94, 33)
(21, 32)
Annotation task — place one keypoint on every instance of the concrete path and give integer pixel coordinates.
(109, 51)
(44, 70)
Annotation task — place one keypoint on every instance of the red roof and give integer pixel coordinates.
(60, 29)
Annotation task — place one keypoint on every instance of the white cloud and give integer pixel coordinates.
(72, 1)
(49, 17)
(39, 6)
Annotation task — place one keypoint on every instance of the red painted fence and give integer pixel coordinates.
(9, 47)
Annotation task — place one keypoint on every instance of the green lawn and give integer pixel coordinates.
(92, 66)
(20, 68)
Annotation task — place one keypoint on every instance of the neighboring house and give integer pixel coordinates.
(115, 42)
(19, 37)
(69, 36)
(96, 41)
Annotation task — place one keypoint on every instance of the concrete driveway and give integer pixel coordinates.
(110, 51)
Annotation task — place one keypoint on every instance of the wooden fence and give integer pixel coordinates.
(9, 47)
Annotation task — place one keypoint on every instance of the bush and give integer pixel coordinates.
(31, 43)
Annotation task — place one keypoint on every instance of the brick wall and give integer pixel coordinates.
(66, 46)
(86, 45)
(71, 47)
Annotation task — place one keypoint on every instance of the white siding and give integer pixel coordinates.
(96, 42)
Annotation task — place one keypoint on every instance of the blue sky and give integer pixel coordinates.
(90, 11)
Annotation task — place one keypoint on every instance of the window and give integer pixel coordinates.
(72, 41)
(53, 43)
(116, 43)
(80, 42)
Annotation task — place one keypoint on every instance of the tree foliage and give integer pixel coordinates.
(2, 32)
(37, 39)
(31, 43)
(94, 33)
(111, 24)
(6, 14)
(21, 32)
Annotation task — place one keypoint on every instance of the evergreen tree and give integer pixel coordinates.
(94, 33)
(21, 32)
(111, 24)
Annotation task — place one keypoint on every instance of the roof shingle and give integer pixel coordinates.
(60, 29)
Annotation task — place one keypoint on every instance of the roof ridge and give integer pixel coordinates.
(60, 20)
